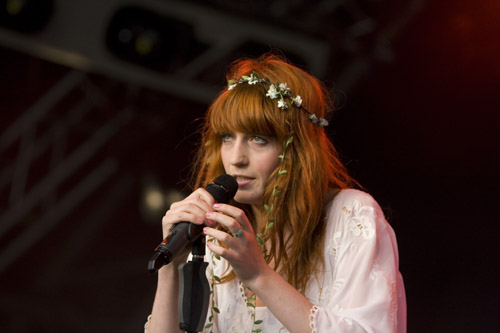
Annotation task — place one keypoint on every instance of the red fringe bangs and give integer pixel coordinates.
(247, 111)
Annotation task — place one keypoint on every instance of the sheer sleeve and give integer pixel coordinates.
(362, 289)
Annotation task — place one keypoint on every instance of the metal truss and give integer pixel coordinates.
(321, 33)
(23, 200)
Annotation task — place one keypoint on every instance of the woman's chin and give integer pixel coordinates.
(247, 199)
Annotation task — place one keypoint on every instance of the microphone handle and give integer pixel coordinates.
(165, 251)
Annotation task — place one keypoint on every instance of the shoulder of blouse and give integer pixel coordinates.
(349, 198)
(348, 206)
(350, 195)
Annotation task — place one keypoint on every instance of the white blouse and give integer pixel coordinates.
(361, 289)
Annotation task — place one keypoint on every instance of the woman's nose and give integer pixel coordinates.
(239, 154)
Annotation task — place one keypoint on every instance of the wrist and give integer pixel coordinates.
(168, 272)
(261, 280)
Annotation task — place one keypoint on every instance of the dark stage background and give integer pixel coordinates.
(98, 125)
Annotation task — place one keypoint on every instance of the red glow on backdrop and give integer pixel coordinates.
(463, 38)
(475, 28)
(449, 65)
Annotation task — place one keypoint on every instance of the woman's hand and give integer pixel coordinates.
(242, 252)
(192, 209)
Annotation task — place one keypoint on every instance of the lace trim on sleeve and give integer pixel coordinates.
(312, 317)
(146, 325)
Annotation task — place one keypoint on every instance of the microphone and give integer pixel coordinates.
(222, 189)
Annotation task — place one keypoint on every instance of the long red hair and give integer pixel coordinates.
(311, 160)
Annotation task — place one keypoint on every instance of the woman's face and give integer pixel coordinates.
(250, 159)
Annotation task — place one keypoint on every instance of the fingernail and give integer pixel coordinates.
(208, 214)
(216, 205)
(205, 229)
(210, 222)
(199, 219)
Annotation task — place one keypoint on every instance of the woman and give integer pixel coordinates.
(297, 249)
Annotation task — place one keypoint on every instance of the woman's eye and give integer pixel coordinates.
(226, 137)
(259, 140)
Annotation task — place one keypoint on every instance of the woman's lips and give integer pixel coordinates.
(243, 180)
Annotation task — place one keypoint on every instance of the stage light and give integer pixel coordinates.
(154, 199)
(26, 16)
(143, 37)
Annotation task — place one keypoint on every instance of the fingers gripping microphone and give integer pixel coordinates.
(222, 189)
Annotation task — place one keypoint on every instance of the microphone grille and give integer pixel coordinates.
(229, 184)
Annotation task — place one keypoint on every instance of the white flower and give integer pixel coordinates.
(282, 104)
(253, 79)
(323, 122)
(297, 101)
(284, 89)
(272, 92)
(232, 86)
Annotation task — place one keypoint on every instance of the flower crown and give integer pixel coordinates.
(278, 91)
